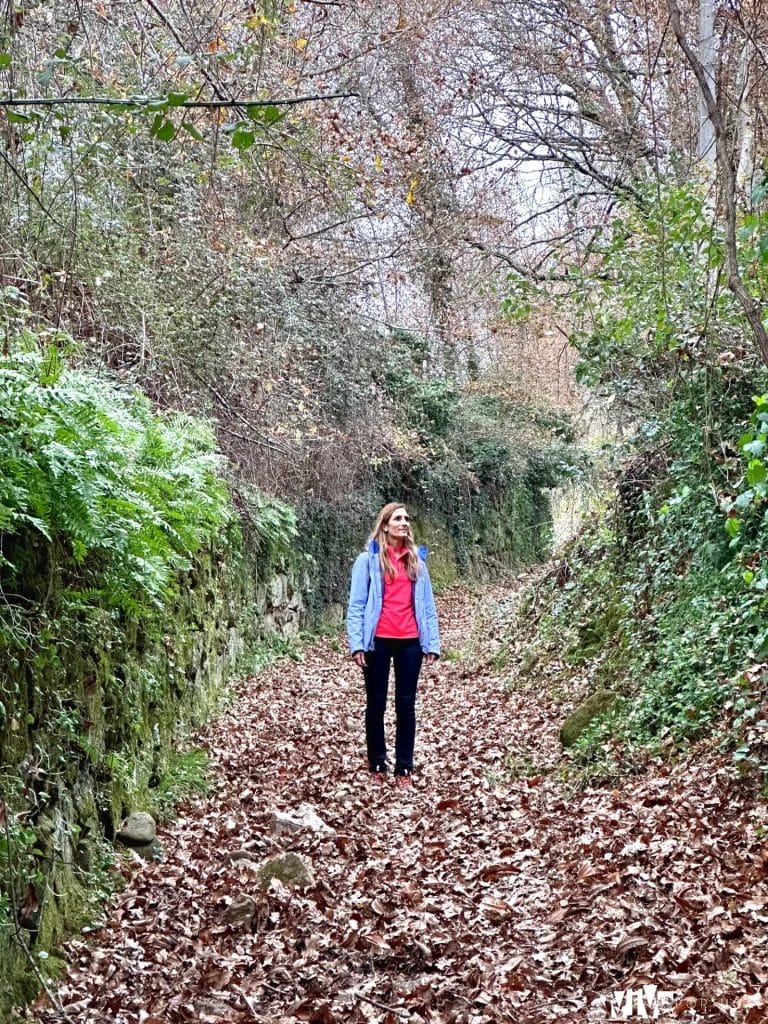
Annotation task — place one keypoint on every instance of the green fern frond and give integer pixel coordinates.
(132, 494)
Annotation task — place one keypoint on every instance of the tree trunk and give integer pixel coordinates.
(746, 119)
(707, 56)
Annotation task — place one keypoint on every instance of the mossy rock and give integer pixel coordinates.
(288, 868)
(577, 722)
(530, 662)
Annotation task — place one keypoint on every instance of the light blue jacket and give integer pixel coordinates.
(365, 599)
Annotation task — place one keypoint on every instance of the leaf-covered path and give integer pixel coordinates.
(476, 897)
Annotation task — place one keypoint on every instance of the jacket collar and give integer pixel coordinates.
(373, 549)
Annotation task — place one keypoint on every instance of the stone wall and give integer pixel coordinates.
(90, 729)
(598, 425)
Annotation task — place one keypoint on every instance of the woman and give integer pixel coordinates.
(391, 618)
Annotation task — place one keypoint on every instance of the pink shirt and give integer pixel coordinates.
(398, 618)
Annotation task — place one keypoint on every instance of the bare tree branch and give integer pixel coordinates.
(145, 101)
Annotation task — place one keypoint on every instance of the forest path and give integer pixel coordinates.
(475, 897)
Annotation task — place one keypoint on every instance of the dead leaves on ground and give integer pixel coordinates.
(472, 898)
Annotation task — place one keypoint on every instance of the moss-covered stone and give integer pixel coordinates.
(288, 868)
(575, 724)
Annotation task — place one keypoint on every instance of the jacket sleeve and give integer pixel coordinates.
(358, 598)
(433, 630)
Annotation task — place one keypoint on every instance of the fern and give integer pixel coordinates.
(131, 494)
(274, 523)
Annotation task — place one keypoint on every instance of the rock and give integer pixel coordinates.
(288, 868)
(148, 851)
(138, 829)
(529, 663)
(290, 628)
(241, 910)
(304, 819)
(242, 855)
(577, 722)
(209, 1010)
(277, 592)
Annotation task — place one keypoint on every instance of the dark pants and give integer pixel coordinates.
(406, 654)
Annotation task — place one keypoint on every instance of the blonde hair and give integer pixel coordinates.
(378, 534)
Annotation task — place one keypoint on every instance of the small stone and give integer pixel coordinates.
(210, 1010)
(304, 819)
(241, 910)
(148, 851)
(95, 925)
(138, 829)
(288, 868)
(241, 855)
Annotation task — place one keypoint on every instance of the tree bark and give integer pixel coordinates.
(706, 149)
(746, 121)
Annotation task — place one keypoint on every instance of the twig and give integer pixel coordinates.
(145, 101)
(400, 1011)
(254, 440)
(263, 443)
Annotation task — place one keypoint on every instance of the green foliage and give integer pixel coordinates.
(489, 483)
(657, 296)
(272, 523)
(20, 865)
(110, 514)
(664, 602)
(88, 466)
(746, 502)
(429, 404)
(340, 529)
(666, 592)
(753, 238)
(186, 773)
(519, 298)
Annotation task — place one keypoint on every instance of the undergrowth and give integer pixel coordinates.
(663, 597)
(187, 773)
(89, 470)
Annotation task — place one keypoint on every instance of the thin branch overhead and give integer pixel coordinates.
(147, 101)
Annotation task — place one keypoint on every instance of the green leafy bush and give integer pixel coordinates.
(104, 506)
(657, 300)
(131, 495)
(666, 601)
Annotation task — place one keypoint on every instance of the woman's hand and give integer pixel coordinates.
(359, 658)
(430, 659)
